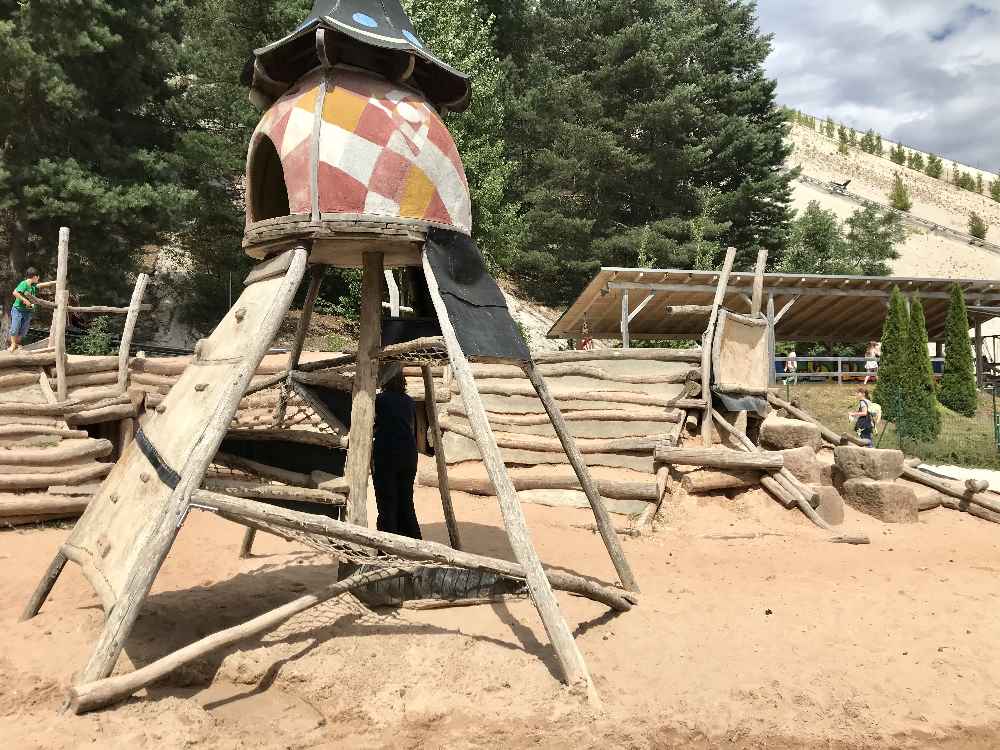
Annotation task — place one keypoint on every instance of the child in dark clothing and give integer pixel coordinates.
(394, 459)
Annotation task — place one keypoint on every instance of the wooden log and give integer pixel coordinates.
(583, 415)
(976, 485)
(440, 461)
(258, 491)
(565, 394)
(965, 506)
(36, 481)
(62, 285)
(573, 453)
(757, 298)
(67, 451)
(44, 586)
(263, 470)
(829, 435)
(84, 365)
(26, 359)
(42, 505)
(710, 481)
(268, 269)
(86, 309)
(74, 489)
(267, 382)
(319, 407)
(58, 337)
(143, 378)
(330, 482)
(554, 445)
(682, 375)
(102, 414)
(129, 331)
(9, 430)
(615, 489)
(307, 437)
(122, 616)
(172, 366)
(359, 455)
(97, 393)
(60, 409)
(571, 662)
(708, 341)
(11, 521)
(953, 488)
(94, 695)
(699, 310)
(597, 355)
(243, 511)
(17, 380)
(89, 379)
(719, 458)
(246, 545)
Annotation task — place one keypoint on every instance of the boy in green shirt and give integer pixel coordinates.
(20, 313)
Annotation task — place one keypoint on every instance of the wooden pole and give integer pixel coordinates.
(94, 695)
(719, 458)
(295, 354)
(430, 404)
(133, 316)
(393, 288)
(772, 376)
(626, 344)
(706, 347)
(359, 455)
(571, 661)
(62, 275)
(44, 586)
(122, 616)
(979, 354)
(604, 523)
(59, 337)
(758, 283)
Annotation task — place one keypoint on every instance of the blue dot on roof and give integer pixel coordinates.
(412, 39)
(365, 20)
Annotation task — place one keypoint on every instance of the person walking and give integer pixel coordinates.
(20, 313)
(863, 422)
(791, 368)
(871, 361)
(394, 459)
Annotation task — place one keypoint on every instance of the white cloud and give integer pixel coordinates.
(921, 71)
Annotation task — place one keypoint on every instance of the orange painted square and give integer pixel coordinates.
(344, 109)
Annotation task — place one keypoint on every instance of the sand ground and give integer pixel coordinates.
(778, 641)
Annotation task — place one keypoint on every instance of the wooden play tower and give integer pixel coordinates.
(351, 166)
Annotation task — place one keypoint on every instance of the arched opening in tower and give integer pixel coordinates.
(268, 192)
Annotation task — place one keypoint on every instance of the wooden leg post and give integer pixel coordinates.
(295, 354)
(430, 401)
(59, 341)
(44, 587)
(574, 668)
(359, 454)
(121, 617)
(129, 331)
(62, 272)
(604, 523)
(706, 347)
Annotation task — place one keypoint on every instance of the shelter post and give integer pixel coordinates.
(625, 337)
(979, 354)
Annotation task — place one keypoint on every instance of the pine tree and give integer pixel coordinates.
(935, 167)
(979, 183)
(852, 139)
(892, 363)
(828, 128)
(872, 237)
(916, 161)
(920, 419)
(868, 142)
(958, 382)
(977, 226)
(842, 138)
(956, 176)
(899, 195)
(995, 189)
(879, 150)
(898, 154)
(86, 139)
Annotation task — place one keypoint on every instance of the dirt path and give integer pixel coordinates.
(778, 641)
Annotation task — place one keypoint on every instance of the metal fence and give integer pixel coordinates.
(839, 369)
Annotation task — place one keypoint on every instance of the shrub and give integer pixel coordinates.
(935, 167)
(97, 341)
(898, 155)
(977, 227)
(958, 382)
(995, 190)
(899, 196)
(920, 420)
(892, 364)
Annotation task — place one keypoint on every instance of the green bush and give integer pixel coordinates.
(920, 419)
(958, 382)
(977, 227)
(899, 196)
(892, 364)
(935, 167)
(97, 341)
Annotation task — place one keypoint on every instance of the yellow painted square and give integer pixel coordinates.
(344, 109)
(418, 190)
(308, 100)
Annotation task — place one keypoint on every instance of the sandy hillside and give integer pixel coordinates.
(934, 200)
(778, 641)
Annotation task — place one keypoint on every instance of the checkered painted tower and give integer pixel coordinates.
(351, 149)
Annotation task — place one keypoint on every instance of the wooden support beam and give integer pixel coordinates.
(980, 375)
(58, 336)
(62, 277)
(640, 307)
(573, 667)
(393, 289)
(719, 458)
(657, 355)
(129, 331)
(430, 405)
(603, 519)
(784, 309)
(699, 310)
(758, 282)
(771, 374)
(359, 454)
(626, 343)
(706, 346)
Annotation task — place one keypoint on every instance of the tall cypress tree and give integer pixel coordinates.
(958, 383)
(920, 419)
(889, 390)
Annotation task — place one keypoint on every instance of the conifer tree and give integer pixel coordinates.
(868, 142)
(852, 138)
(916, 161)
(979, 183)
(935, 168)
(920, 419)
(958, 382)
(977, 226)
(828, 128)
(899, 195)
(898, 154)
(879, 150)
(892, 363)
(956, 176)
(842, 138)
(995, 190)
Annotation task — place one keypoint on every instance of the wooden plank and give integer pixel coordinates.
(571, 662)
(706, 344)
(430, 405)
(129, 331)
(603, 520)
(268, 269)
(359, 454)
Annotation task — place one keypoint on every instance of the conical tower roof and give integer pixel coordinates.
(374, 35)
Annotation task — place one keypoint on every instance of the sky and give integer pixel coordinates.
(923, 72)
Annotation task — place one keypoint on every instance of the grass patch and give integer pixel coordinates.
(963, 441)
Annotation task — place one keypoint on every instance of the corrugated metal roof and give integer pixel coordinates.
(807, 307)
